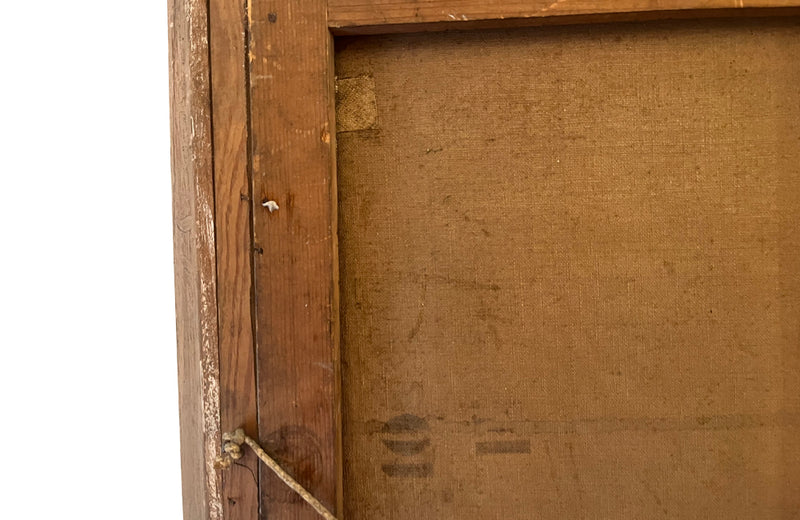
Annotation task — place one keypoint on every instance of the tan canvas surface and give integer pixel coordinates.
(570, 282)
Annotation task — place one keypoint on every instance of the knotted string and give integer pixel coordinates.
(232, 450)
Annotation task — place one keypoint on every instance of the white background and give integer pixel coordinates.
(88, 387)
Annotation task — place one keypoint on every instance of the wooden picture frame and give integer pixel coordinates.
(252, 91)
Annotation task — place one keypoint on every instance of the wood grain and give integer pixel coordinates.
(291, 85)
(195, 281)
(387, 16)
(256, 293)
(227, 28)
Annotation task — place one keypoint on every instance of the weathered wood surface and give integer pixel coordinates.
(291, 89)
(195, 283)
(279, 55)
(386, 16)
(227, 26)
